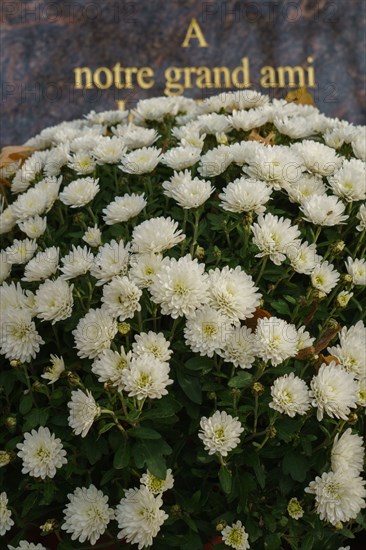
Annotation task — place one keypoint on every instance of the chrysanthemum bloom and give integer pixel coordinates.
(140, 517)
(5, 266)
(42, 453)
(220, 433)
(141, 161)
(245, 195)
(361, 215)
(181, 157)
(295, 509)
(94, 333)
(334, 391)
(33, 227)
(156, 485)
(19, 338)
(324, 210)
(83, 411)
(290, 395)
(42, 266)
(304, 339)
(274, 236)
(306, 186)
(54, 300)
(12, 296)
(6, 522)
(32, 203)
(318, 158)
(277, 164)
(87, 515)
(111, 260)
(235, 536)
(303, 257)
(124, 208)
(246, 120)
(276, 340)
(339, 496)
(324, 277)
(348, 453)
(191, 193)
(204, 331)
(238, 346)
(54, 371)
(232, 293)
(357, 270)
(180, 286)
(109, 150)
(109, 366)
(25, 545)
(349, 182)
(361, 392)
(151, 343)
(80, 192)
(93, 236)
(351, 352)
(215, 162)
(145, 377)
(343, 298)
(135, 136)
(144, 267)
(77, 262)
(156, 235)
(20, 252)
(49, 189)
(82, 163)
(121, 298)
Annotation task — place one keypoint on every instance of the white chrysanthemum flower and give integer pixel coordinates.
(83, 411)
(140, 517)
(294, 509)
(213, 123)
(246, 120)
(303, 257)
(181, 157)
(80, 192)
(361, 392)
(121, 298)
(42, 453)
(220, 433)
(343, 298)
(134, 136)
(54, 371)
(348, 453)
(359, 145)
(33, 227)
(94, 333)
(214, 162)
(82, 163)
(109, 118)
(32, 203)
(57, 158)
(324, 277)
(276, 340)
(77, 262)
(156, 485)
(111, 260)
(141, 161)
(156, 235)
(304, 187)
(87, 515)
(124, 208)
(349, 182)
(324, 210)
(339, 496)
(144, 267)
(42, 266)
(238, 347)
(205, 330)
(351, 353)
(20, 252)
(8, 220)
(93, 236)
(334, 391)
(277, 164)
(232, 293)
(151, 343)
(236, 536)
(361, 215)
(180, 286)
(304, 339)
(290, 395)
(189, 193)
(274, 237)
(54, 300)
(318, 158)
(49, 188)
(25, 545)
(245, 195)
(295, 127)
(109, 150)
(30, 170)
(13, 297)
(357, 270)
(109, 365)
(5, 266)
(6, 522)
(145, 377)
(19, 338)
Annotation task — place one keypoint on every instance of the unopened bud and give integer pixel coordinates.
(176, 510)
(339, 526)
(343, 298)
(353, 418)
(319, 294)
(248, 218)
(235, 392)
(124, 328)
(271, 432)
(216, 252)
(74, 379)
(257, 388)
(212, 395)
(79, 218)
(337, 247)
(221, 138)
(5, 458)
(221, 525)
(347, 278)
(15, 363)
(38, 386)
(11, 423)
(49, 526)
(200, 252)
(332, 324)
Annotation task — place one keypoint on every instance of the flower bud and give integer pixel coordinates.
(5, 458)
(49, 526)
(295, 509)
(124, 328)
(11, 423)
(257, 388)
(343, 298)
(337, 247)
(15, 363)
(347, 278)
(221, 525)
(353, 418)
(176, 510)
(217, 252)
(73, 378)
(200, 253)
(271, 432)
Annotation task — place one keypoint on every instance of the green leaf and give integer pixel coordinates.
(122, 455)
(225, 478)
(151, 453)
(25, 405)
(29, 502)
(241, 380)
(281, 307)
(36, 418)
(295, 465)
(308, 542)
(106, 427)
(144, 433)
(253, 461)
(191, 385)
(199, 363)
(162, 408)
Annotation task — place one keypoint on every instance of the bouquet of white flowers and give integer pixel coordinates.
(183, 351)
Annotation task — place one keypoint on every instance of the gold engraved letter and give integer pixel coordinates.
(194, 31)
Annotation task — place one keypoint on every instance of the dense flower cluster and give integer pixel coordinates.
(182, 285)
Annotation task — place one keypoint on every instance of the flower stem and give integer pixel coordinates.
(261, 271)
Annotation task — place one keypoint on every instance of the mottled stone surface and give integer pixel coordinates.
(43, 41)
